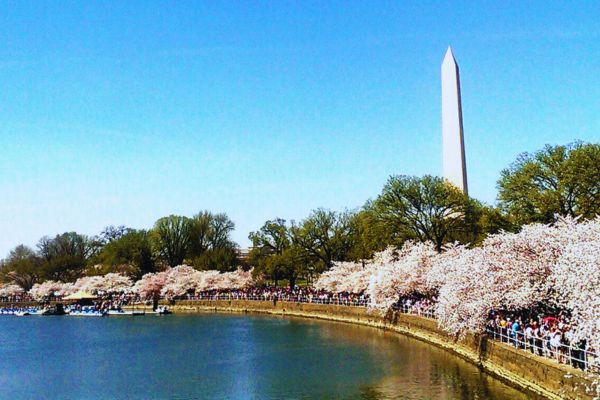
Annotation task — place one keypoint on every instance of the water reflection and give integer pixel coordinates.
(413, 369)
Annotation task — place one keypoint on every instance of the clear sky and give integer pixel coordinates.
(123, 112)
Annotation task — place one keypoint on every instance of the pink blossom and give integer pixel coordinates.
(10, 290)
(42, 291)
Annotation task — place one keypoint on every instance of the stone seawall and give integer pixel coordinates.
(516, 367)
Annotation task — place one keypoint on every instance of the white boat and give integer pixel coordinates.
(122, 312)
(164, 310)
(21, 313)
(87, 313)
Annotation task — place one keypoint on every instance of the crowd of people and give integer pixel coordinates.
(543, 335)
(273, 293)
(416, 306)
(16, 298)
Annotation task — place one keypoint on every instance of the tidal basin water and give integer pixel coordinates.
(226, 357)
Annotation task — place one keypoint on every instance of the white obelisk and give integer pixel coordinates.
(455, 167)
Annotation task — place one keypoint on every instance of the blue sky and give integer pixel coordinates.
(123, 112)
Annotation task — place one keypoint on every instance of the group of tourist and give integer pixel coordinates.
(544, 335)
(22, 297)
(273, 293)
(416, 306)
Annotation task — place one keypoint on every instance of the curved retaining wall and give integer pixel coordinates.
(516, 367)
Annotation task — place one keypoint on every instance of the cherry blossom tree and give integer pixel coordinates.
(510, 271)
(576, 280)
(400, 273)
(179, 281)
(90, 284)
(11, 290)
(345, 276)
(443, 265)
(207, 280)
(151, 285)
(43, 291)
(115, 283)
(239, 279)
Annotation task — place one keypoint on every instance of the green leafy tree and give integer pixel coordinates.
(211, 245)
(220, 233)
(201, 231)
(221, 259)
(274, 253)
(129, 253)
(492, 220)
(427, 208)
(325, 236)
(557, 180)
(369, 236)
(22, 266)
(172, 239)
(64, 256)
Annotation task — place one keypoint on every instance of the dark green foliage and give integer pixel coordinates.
(22, 266)
(129, 253)
(211, 246)
(272, 254)
(64, 256)
(282, 251)
(325, 236)
(172, 239)
(558, 180)
(427, 208)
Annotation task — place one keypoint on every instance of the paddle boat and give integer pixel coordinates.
(163, 310)
(87, 312)
(120, 312)
(57, 309)
(17, 311)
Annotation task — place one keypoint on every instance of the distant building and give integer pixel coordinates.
(242, 255)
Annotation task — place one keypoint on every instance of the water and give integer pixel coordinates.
(226, 357)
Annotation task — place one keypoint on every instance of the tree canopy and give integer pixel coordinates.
(64, 256)
(557, 180)
(172, 239)
(274, 253)
(325, 236)
(426, 209)
(129, 253)
(211, 246)
(22, 266)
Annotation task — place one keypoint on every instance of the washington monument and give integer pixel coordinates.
(455, 167)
